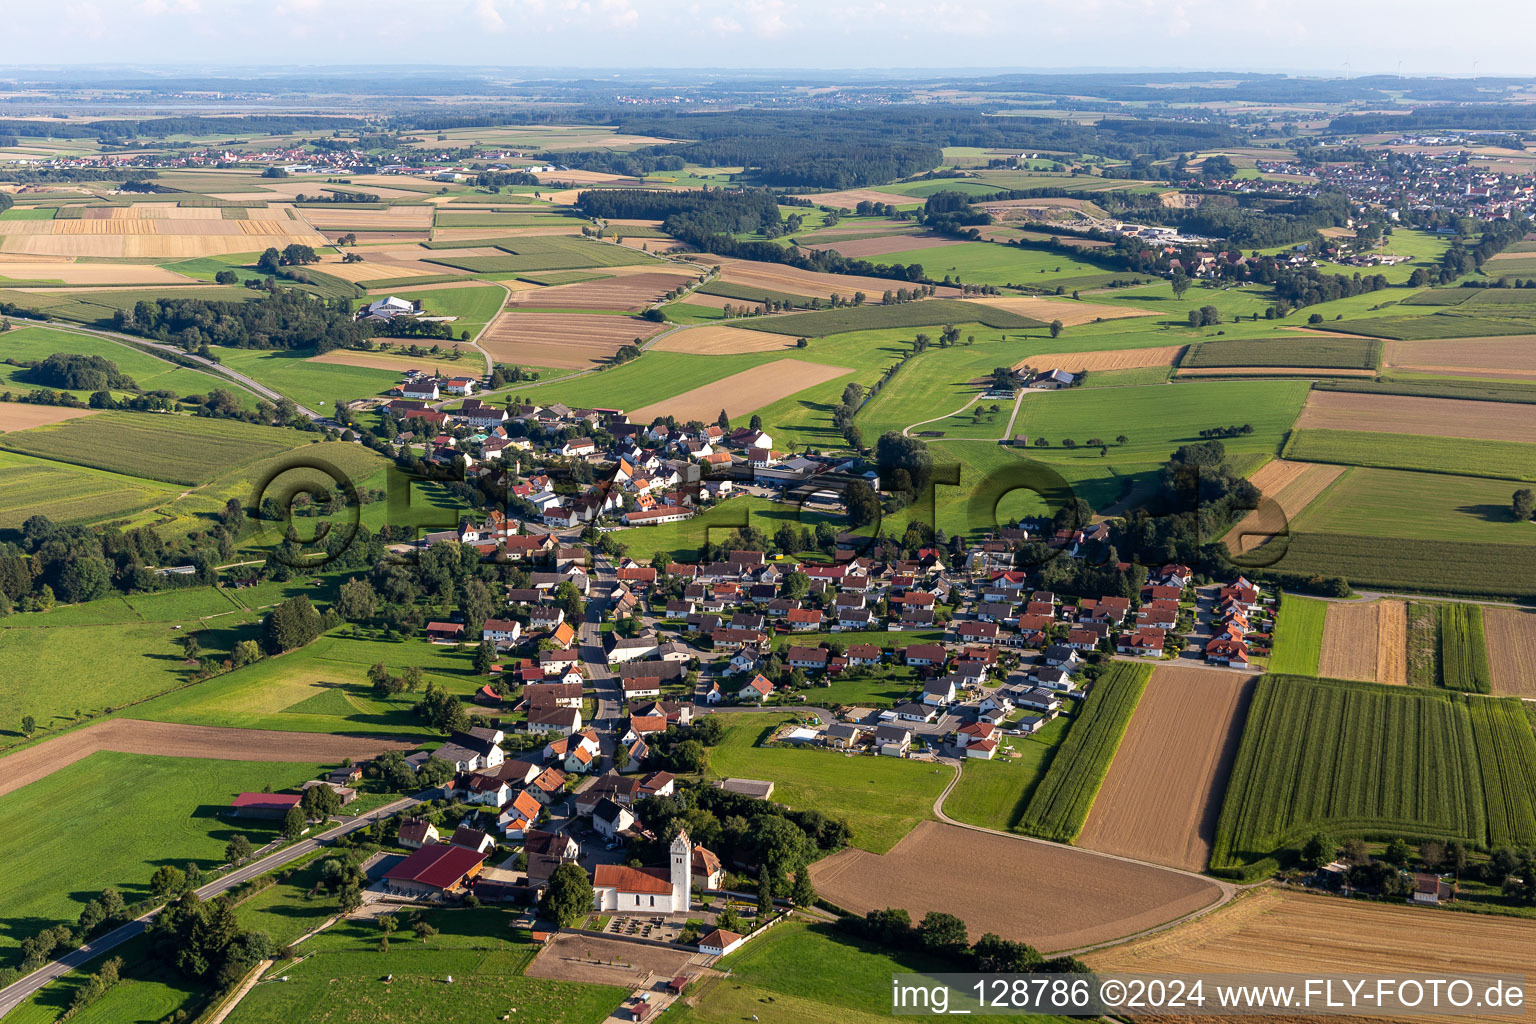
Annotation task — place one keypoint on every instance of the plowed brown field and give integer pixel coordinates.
(132, 736)
(1290, 488)
(1511, 634)
(979, 877)
(1396, 414)
(562, 340)
(776, 277)
(1366, 641)
(743, 392)
(1163, 792)
(1308, 934)
(20, 415)
(1491, 357)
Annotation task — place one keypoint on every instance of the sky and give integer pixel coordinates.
(1323, 37)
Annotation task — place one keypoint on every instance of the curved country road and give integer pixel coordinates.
(160, 348)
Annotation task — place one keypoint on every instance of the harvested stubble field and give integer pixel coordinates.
(518, 255)
(1071, 314)
(744, 392)
(1396, 414)
(22, 416)
(132, 736)
(850, 198)
(1162, 796)
(562, 340)
(381, 270)
(343, 218)
(628, 292)
(1475, 357)
(69, 272)
(1511, 635)
(1093, 900)
(1304, 933)
(777, 277)
(718, 340)
(1289, 487)
(158, 230)
(925, 313)
(1367, 642)
(1109, 359)
(863, 248)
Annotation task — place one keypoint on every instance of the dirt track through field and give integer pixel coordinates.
(1366, 641)
(1511, 637)
(1290, 488)
(1396, 414)
(1163, 792)
(1309, 934)
(133, 736)
(994, 884)
(743, 392)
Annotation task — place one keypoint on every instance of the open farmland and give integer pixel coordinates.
(995, 263)
(720, 340)
(1463, 652)
(1361, 759)
(1162, 795)
(1299, 627)
(1091, 899)
(68, 494)
(1395, 414)
(158, 230)
(1071, 314)
(1511, 637)
(850, 198)
(1103, 361)
(1287, 488)
(1366, 642)
(67, 271)
(1064, 797)
(777, 277)
(23, 416)
(1434, 566)
(517, 255)
(630, 293)
(1310, 934)
(1505, 460)
(926, 313)
(356, 217)
(562, 340)
(1506, 755)
(174, 449)
(1426, 506)
(1285, 353)
(1473, 357)
(742, 393)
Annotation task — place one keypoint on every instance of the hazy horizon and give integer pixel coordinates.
(1309, 37)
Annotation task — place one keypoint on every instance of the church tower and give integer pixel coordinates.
(682, 870)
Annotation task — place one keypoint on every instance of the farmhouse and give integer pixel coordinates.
(264, 805)
(434, 871)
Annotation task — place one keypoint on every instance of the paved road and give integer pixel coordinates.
(218, 369)
(13, 995)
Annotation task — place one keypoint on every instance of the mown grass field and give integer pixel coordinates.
(995, 263)
(994, 794)
(173, 449)
(341, 981)
(138, 812)
(1329, 353)
(1423, 506)
(69, 494)
(1463, 649)
(1298, 636)
(927, 313)
(1428, 453)
(28, 344)
(1368, 760)
(881, 797)
(1062, 800)
(317, 386)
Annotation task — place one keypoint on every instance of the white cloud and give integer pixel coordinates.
(489, 16)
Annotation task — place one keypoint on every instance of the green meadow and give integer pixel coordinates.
(29, 344)
(1424, 506)
(993, 794)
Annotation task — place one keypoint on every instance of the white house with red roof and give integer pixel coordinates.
(618, 888)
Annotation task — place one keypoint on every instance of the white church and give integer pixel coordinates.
(622, 889)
